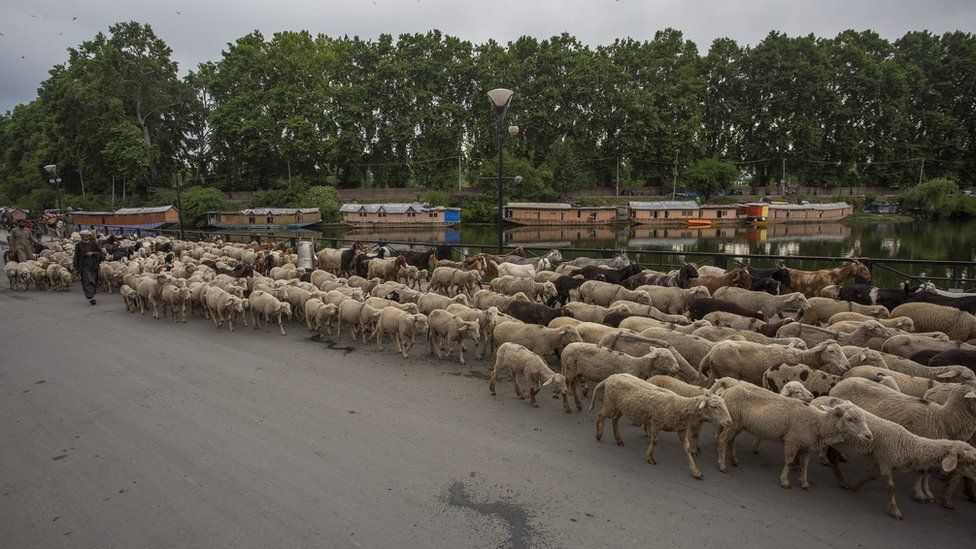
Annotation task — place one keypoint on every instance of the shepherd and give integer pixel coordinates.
(88, 256)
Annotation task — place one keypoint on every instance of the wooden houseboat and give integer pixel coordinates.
(265, 218)
(555, 213)
(126, 218)
(663, 212)
(719, 213)
(403, 214)
(883, 208)
(831, 211)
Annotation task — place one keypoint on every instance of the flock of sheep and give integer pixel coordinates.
(819, 361)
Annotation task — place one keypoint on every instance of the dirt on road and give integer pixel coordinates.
(117, 430)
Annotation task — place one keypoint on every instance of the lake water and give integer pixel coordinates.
(916, 240)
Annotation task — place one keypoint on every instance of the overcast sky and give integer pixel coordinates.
(36, 33)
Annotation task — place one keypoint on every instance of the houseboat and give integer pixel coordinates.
(883, 208)
(719, 213)
(126, 218)
(781, 212)
(265, 218)
(663, 212)
(403, 214)
(555, 213)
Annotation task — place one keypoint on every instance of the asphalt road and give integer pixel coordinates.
(118, 430)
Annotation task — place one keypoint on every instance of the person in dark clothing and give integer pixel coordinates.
(88, 256)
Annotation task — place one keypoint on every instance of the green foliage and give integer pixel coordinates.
(38, 200)
(78, 202)
(327, 201)
(477, 209)
(197, 201)
(926, 197)
(711, 176)
(298, 194)
(435, 198)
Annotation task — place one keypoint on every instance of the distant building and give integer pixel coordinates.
(400, 214)
(265, 218)
(665, 211)
(719, 213)
(127, 218)
(555, 213)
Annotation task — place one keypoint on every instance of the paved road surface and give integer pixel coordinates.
(117, 430)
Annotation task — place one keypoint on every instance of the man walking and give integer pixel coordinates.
(88, 255)
(21, 242)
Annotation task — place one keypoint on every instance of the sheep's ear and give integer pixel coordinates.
(701, 405)
(946, 375)
(827, 408)
(949, 462)
(970, 394)
(548, 381)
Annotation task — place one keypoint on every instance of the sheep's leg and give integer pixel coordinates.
(142, 306)
(532, 392)
(255, 324)
(460, 345)
(790, 450)
(600, 420)
(518, 388)
(615, 421)
(922, 493)
(833, 456)
(694, 432)
(430, 342)
(566, 404)
(378, 334)
(683, 436)
(230, 320)
(406, 346)
(576, 396)
(952, 480)
(494, 378)
(244, 319)
(755, 445)
(929, 496)
(893, 509)
(875, 473)
(267, 322)
(969, 488)
(652, 433)
(804, 458)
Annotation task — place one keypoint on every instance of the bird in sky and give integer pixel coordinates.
(75, 18)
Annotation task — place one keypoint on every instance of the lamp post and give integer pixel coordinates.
(53, 179)
(501, 99)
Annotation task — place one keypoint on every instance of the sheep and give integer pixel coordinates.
(175, 298)
(902, 323)
(465, 281)
(351, 312)
(266, 305)
(218, 303)
(698, 308)
(814, 335)
(358, 282)
(802, 428)
(738, 277)
(486, 298)
(956, 419)
(651, 311)
(955, 356)
(657, 410)
(748, 361)
(929, 317)
(400, 326)
(724, 319)
(591, 332)
(672, 300)
(385, 268)
(592, 362)
(894, 448)
(821, 309)
(640, 345)
(943, 374)
(318, 277)
(487, 319)
(445, 327)
(909, 385)
(718, 333)
(380, 303)
(150, 289)
(442, 280)
(595, 292)
(318, 313)
(429, 302)
(818, 383)
(520, 271)
(540, 340)
(587, 313)
(535, 313)
(412, 277)
(520, 360)
(639, 323)
(384, 289)
(510, 285)
(906, 345)
(686, 390)
(129, 298)
(768, 305)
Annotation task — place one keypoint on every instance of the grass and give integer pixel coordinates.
(864, 217)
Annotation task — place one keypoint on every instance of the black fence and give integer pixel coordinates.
(884, 271)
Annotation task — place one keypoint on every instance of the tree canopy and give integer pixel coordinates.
(411, 111)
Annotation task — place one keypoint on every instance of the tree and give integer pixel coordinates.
(197, 201)
(711, 176)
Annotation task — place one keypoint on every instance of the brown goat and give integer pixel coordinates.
(737, 277)
(810, 283)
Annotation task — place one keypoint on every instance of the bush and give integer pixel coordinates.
(197, 201)
(298, 194)
(77, 202)
(326, 199)
(435, 198)
(38, 200)
(711, 176)
(931, 197)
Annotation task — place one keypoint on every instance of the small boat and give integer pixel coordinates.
(698, 222)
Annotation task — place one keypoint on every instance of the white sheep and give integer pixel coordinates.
(929, 317)
(400, 326)
(517, 360)
(447, 328)
(674, 300)
(657, 409)
(822, 308)
(768, 305)
(749, 361)
(592, 362)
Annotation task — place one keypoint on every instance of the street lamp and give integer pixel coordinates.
(501, 100)
(53, 179)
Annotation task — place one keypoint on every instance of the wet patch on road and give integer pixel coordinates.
(511, 513)
(472, 373)
(60, 456)
(331, 344)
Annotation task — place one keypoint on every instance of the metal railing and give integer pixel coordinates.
(957, 274)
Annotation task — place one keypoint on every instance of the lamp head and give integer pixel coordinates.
(51, 169)
(500, 99)
(513, 130)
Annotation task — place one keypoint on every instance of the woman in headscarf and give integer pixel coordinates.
(88, 255)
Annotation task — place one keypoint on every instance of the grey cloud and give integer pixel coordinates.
(201, 29)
